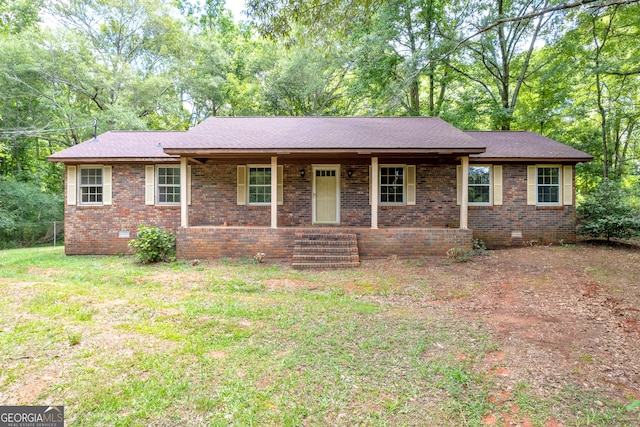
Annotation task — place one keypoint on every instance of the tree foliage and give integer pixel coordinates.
(608, 212)
(26, 213)
(568, 70)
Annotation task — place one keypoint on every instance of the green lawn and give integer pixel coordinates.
(242, 344)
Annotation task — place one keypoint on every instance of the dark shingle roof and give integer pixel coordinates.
(522, 145)
(317, 134)
(121, 146)
(328, 133)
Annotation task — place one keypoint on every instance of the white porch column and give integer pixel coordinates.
(274, 192)
(184, 207)
(464, 203)
(374, 193)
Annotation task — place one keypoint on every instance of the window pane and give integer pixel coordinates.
(548, 185)
(548, 194)
(169, 185)
(392, 185)
(479, 175)
(548, 176)
(91, 185)
(260, 185)
(479, 194)
(479, 184)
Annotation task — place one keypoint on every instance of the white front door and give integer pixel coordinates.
(326, 194)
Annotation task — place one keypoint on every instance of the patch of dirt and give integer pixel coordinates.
(288, 284)
(560, 315)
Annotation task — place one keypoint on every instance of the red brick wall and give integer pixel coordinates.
(93, 230)
(243, 242)
(544, 224)
(435, 206)
(214, 198)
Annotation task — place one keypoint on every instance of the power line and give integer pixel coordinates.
(43, 131)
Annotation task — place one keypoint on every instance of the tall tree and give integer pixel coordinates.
(18, 15)
(400, 51)
(499, 59)
(615, 84)
(128, 63)
(224, 63)
(307, 82)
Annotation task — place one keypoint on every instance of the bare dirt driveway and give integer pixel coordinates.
(560, 314)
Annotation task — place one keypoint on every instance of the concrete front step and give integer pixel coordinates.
(326, 236)
(312, 265)
(325, 258)
(318, 249)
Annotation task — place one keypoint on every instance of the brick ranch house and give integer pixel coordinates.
(236, 186)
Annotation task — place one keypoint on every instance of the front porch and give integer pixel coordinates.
(209, 242)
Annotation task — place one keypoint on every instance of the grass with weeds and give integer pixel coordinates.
(231, 343)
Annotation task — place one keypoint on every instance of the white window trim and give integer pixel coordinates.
(559, 185)
(404, 185)
(157, 186)
(249, 203)
(80, 186)
(490, 202)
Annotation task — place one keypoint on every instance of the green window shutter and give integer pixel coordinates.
(497, 185)
(280, 185)
(567, 185)
(411, 185)
(532, 176)
(106, 184)
(189, 185)
(459, 184)
(149, 184)
(72, 185)
(242, 185)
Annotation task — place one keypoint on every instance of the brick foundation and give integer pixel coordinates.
(245, 242)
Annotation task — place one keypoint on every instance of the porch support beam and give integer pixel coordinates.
(184, 207)
(274, 192)
(464, 203)
(374, 193)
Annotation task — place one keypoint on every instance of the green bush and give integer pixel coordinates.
(607, 212)
(153, 245)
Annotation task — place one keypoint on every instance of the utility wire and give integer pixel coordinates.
(42, 131)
